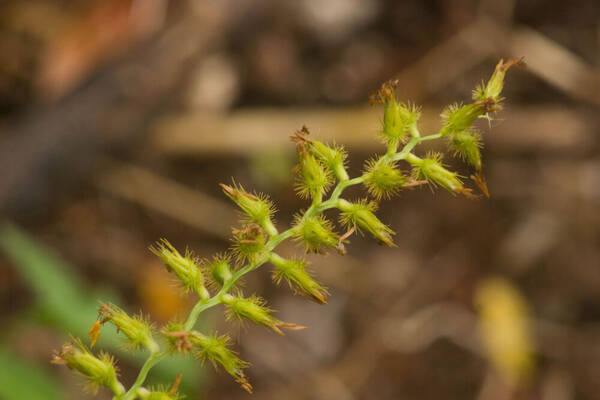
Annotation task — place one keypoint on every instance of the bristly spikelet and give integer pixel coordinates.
(220, 269)
(334, 157)
(431, 169)
(398, 118)
(360, 215)
(177, 337)
(215, 348)
(137, 329)
(186, 268)
(249, 243)
(258, 208)
(313, 178)
(315, 232)
(467, 145)
(99, 371)
(493, 88)
(382, 179)
(294, 272)
(457, 118)
(254, 309)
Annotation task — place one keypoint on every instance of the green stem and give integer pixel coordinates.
(150, 362)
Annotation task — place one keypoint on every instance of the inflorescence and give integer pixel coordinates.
(320, 167)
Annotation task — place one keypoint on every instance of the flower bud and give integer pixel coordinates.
(315, 232)
(360, 215)
(99, 371)
(214, 348)
(466, 144)
(333, 157)
(186, 268)
(313, 178)
(382, 178)
(431, 169)
(493, 88)
(258, 208)
(398, 118)
(137, 329)
(254, 309)
(294, 272)
(220, 268)
(459, 118)
(249, 243)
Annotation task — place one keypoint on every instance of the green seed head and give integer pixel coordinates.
(176, 337)
(294, 272)
(361, 216)
(431, 169)
(220, 268)
(316, 232)
(99, 371)
(254, 309)
(334, 158)
(215, 348)
(467, 144)
(493, 88)
(249, 243)
(257, 207)
(314, 178)
(382, 178)
(458, 118)
(137, 329)
(397, 120)
(186, 268)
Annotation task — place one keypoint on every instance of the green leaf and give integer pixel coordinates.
(64, 301)
(20, 379)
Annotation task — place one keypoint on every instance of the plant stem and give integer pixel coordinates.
(152, 360)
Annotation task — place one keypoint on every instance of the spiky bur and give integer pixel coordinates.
(458, 118)
(220, 268)
(215, 349)
(177, 337)
(360, 215)
(294, 272)
(313, 179)
(493, 88)
(398, 118)
(431, 169)
(332, 157)
(99, 371)
(257, 207)
(315, 232)
(137, 329)
(467, 144)
(254, 309)
(249, 243)
(382, 178)
(186, 268)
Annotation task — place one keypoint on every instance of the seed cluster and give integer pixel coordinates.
(320, 167)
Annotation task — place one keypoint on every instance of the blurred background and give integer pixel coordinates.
(118, 119)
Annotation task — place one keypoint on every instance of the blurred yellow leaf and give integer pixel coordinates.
(504, 326)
